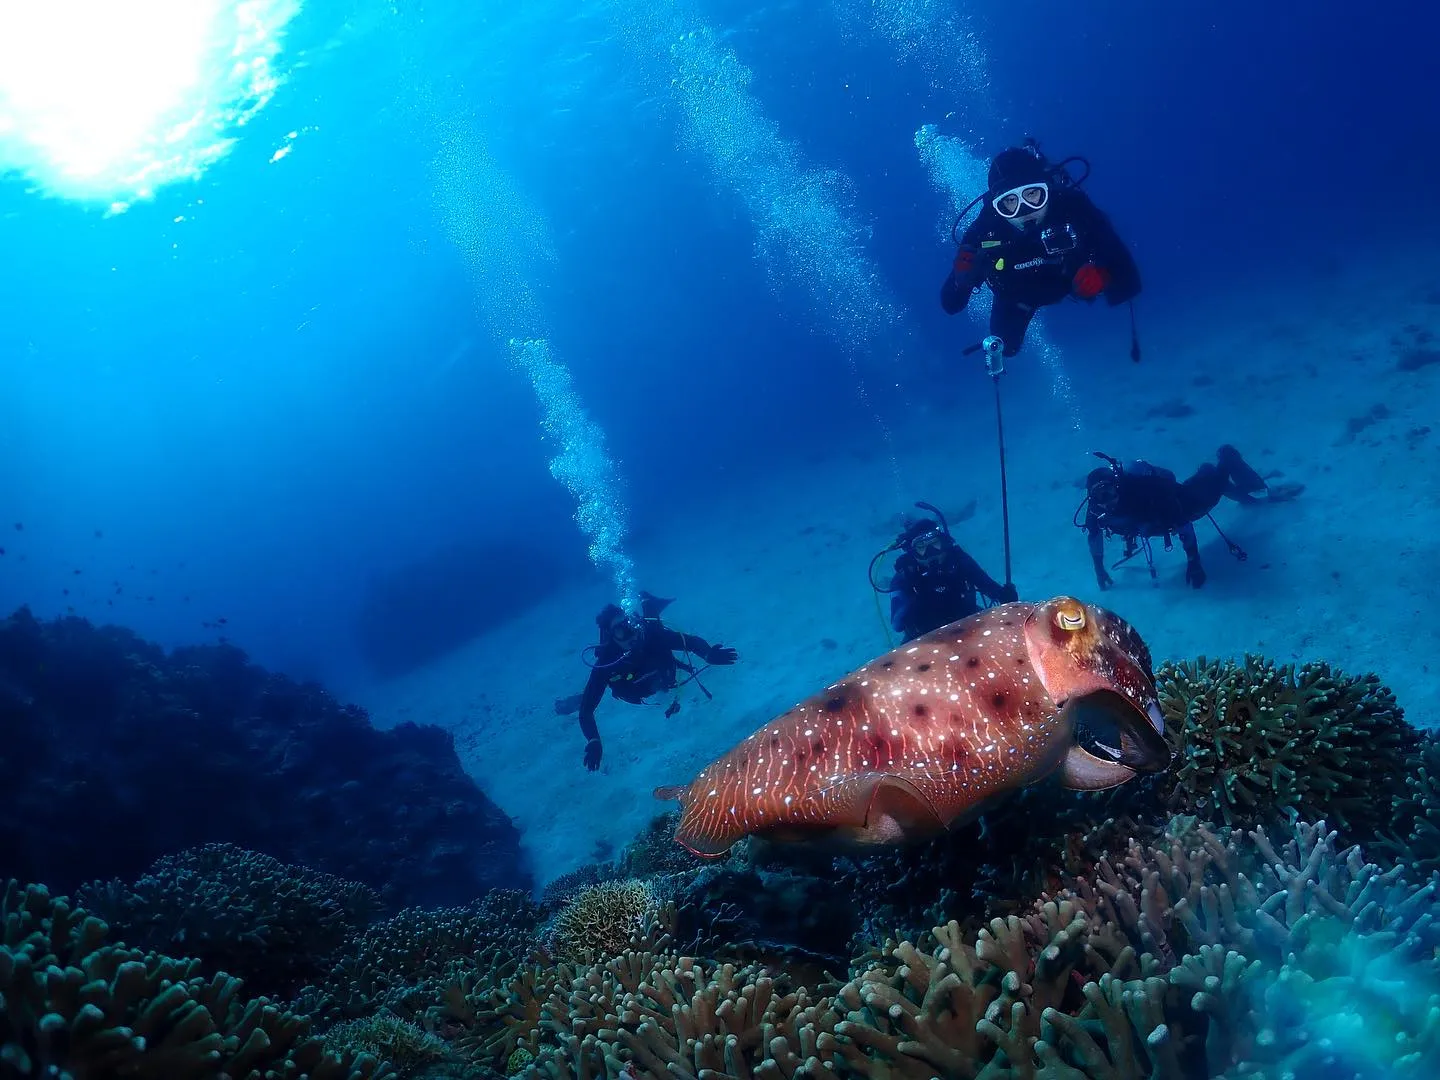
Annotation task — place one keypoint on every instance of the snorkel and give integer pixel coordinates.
(916, 528)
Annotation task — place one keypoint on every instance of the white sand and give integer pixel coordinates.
(1346, 573)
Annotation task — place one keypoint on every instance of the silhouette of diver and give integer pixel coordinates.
(636, 659)
(1142, 501)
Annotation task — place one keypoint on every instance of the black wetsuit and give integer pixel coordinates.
(1152, 503)
(922, 601)
(1024, 277)
(649, 668)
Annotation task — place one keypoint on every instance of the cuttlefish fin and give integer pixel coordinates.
(1083, 771)
(880, 808)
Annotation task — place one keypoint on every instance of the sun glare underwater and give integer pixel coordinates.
(652, 539)
(108, 103)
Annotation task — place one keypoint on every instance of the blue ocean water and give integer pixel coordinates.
(270, 383)
(386, 341)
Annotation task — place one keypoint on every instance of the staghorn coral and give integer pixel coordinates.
(71, 1005)
(274, 925)
(1258, 742)
(567, 886)
(602, 920)
(967, 1010)
(1206, 955)
(488, 1020)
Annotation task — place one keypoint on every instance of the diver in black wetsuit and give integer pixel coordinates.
(635, 659)
(1141, 501)
(1038, 240)
(935, 579)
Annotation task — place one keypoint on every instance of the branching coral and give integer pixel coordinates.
(1415, 833)
(407, 1047)
(655, 852)
(603, 920)
(659, 1016)
(275, 925)
(404, 963)
(1258, 742)
(71, 1005)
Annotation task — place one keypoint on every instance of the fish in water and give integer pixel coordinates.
(935, 732)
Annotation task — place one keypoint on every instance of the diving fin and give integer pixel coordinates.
(1240, 478)
(651, 605)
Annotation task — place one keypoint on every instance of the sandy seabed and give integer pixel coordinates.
(1341, 399)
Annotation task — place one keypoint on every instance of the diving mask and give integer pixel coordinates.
(928, 548)
(1105, 494)
(626, 632)
(1021, 201)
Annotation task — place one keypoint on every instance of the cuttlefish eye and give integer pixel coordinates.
(1070, 616)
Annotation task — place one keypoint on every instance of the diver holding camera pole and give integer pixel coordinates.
(1038, 240)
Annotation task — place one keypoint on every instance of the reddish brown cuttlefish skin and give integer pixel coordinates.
(930, 734)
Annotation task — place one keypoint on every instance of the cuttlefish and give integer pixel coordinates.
(935, 732)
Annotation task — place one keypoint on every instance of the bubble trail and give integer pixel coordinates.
(807, 233)
(933, 35)
(505, 242)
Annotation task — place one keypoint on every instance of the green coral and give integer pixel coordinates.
(405, 1045)
(655, 852)
(73, 1006)
(403, 964)
(1415, 833)
(518, 1060)
(275, 925)
(604, 920)
(1258, 742)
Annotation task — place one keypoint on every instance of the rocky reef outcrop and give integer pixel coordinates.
(115, 753)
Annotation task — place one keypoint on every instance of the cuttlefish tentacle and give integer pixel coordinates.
(1083, 771)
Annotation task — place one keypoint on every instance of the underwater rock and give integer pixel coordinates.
(116, 754)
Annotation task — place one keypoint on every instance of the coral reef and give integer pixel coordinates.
(73, 1005)
(1258, 742)
(1415, 830)
(405, 963)
(1193, 927)
(274, 925)
(252, 758)
(408, 1049)
(602, 920)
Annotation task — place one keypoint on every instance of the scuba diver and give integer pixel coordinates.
(1141, 501)
(935, 579)
(1037, 240)
(636, 659)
